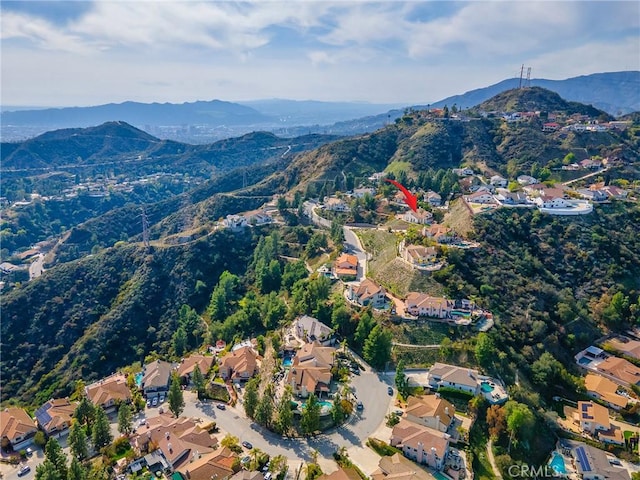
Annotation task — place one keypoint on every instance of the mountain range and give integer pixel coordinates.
(617, 93)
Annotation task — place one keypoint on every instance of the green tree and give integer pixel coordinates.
(175, 397)
(179, 341)
(285, 413)
(337, 232)
(377, 347)
(85, 412)
(78, 441)
(232, 443)
(310, 417)
(101, 433)
(485, 349)
(125, 419)
(47, 471)
(77, 471)
(264, 410)
(198, 381)
(40, 439)
(53, 452)
(341, 319)
(251, 398)
(365, 325)
(402, 383)
(520, 419)
(337, 411)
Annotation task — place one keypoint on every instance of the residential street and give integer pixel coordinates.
(352, 242)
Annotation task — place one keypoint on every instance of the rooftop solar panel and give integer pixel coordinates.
(582, 458)
(42, 415)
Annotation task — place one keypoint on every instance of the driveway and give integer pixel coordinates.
(352, 242)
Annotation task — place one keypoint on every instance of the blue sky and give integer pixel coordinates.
(67, 53)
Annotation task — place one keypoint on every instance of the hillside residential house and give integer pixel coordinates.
(346, 267)
(310, 370)
(592, 417)
(176, 438)
(423, 305)
(620, 370)
(626, 346)
(463, 172)
(235, 222)
(376, 177)
(397, 467)
(419, 256)
(592, 463)
(312, 330)
(498, 181)
(361, 192)
(54, 417)
(452, 376)
(615, 192)
(439, 233)
(480, 197)
(220, 465)
(604, 390)
(434, 199)
(17, 427)
(526, 180)
(506, 197)
(106, 392)
(240, 364)
(430, 411)
(260, 218)
(334, 204)
(420, 216)
(367, 293)
(421, 444)
(593, 195)
(347, 473)
(156, 378)
(188, 365)
(247, 475)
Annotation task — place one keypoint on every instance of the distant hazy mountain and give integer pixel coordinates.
(215, 112)
(617, 93)
(312, 112)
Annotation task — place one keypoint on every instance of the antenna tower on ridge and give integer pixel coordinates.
(521, 73)
(145, 229)
(528, 77)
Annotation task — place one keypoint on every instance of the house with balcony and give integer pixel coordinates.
(418, 255)
(421, 444)
(421, 216)
(310, 370)
(422, 305)
(313, 330)
(452, 376)
(367, 293)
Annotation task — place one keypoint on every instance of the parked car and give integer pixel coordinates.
(247, 445)
(245, 460)
(221, 406)
(154, 402)
(359, 405)
(390, 390)
(24, 470)
(29, 451)
(148, 402)
(161, 398)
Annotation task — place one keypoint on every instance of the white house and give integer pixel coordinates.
(479, 197)
(526, 180)
(420, 217)
(498, 181)
(463, 172)
(235, 222)
(367, 293)
(334, 204)
(361, 192)
(313, 330)
(433, 198)
(452, 376)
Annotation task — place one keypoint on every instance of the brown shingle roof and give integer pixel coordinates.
(188, 365)
(113, 387)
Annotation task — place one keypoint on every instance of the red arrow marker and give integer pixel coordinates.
(409, 198)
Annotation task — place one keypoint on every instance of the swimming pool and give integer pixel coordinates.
(486, 387)
(138, 379)
(287, 362)
(441, 476)
(557, 463)
(584, 361)
(458, 313)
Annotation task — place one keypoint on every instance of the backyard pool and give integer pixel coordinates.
(557, 463)
(486, 387)
(138, 378)
(440, 476)
(287, 361)
(584, 361)
(458, 313)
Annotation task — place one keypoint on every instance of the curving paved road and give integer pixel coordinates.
(369, 387)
